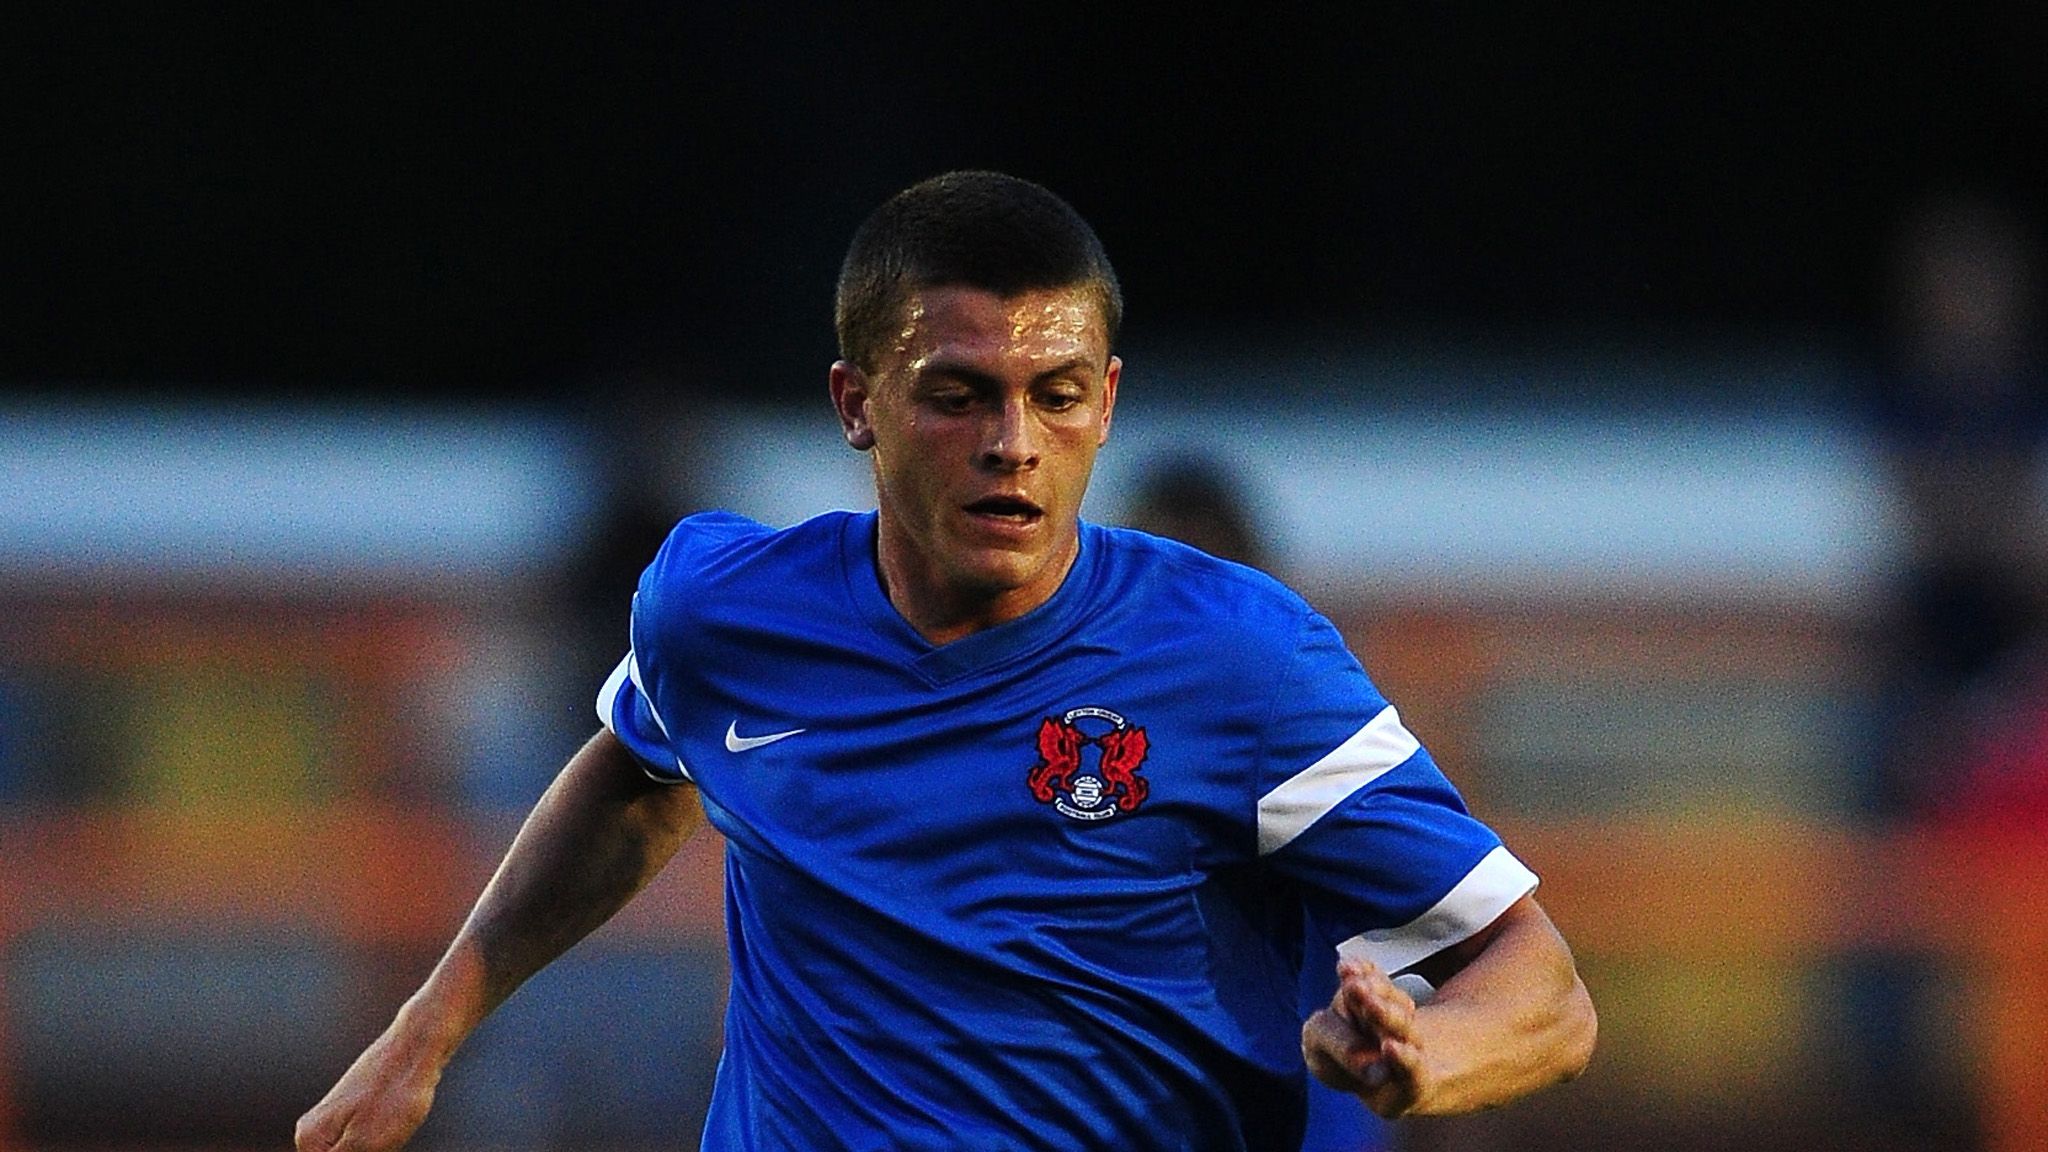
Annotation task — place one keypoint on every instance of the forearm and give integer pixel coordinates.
(1515, 1019)
(598, 836)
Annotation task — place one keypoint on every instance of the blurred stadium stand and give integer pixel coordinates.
(277, 680)
(277, 685)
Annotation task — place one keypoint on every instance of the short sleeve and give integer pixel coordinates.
(1352, 807)
(624, 707)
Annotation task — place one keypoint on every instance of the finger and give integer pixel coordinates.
(1377, 1005)
(1333, 1050)
(364, 1135)
(1349, 974)
(1394, 1079)
(314, 1132)
(383, 1130)
(1334, 1034)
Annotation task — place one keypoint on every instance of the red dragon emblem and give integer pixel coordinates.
(1059, 777)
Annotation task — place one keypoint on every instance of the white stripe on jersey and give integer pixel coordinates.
(633, 670)
(1371, 752)
(628, 669)
(1496, 882)
(608, 699)
(608, 696)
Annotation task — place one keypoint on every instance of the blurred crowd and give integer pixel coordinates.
(1959, 406)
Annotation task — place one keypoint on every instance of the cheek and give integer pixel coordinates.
(1078, 449)
(912, 463)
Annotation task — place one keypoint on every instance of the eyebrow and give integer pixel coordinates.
(969, 374)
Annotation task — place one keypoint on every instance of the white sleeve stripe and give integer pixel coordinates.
(608, 696)
(633, 670)
(658, 778)
(1371, 752)
(1493, 884)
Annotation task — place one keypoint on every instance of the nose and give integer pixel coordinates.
(1009, 439)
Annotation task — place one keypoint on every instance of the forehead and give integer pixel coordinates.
(961, 320)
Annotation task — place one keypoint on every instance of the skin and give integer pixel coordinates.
(983, 421)
(1510, 1016)
(982, 399)
(602, 831)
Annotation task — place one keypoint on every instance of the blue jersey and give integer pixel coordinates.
(1046, 886)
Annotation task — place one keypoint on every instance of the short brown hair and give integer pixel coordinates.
(974, 228)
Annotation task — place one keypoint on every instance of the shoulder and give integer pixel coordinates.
(1231, 603)
(711, 554)
(707, 543)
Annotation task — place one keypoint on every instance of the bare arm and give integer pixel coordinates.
(598, 836)
(1511, 1017)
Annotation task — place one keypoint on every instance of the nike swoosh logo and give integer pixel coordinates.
(734, 742)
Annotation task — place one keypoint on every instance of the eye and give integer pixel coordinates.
(1060, 397)
(953, 400)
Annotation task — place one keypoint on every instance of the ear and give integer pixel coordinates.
(850, 395)
(1109, 380)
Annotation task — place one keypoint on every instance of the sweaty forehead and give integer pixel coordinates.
(1047, 323)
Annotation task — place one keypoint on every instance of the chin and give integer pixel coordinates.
(999, 573)
(993, 580)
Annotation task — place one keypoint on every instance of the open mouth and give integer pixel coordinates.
(1014, 509)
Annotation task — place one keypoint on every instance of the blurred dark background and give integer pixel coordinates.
(354, 360)
(518, 200)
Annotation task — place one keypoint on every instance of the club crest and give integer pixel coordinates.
(1061, 777)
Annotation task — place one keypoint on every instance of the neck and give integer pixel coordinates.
(942, 607)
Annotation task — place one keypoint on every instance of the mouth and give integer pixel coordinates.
(1014, 510)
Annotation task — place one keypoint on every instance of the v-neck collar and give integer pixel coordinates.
(976, 651)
